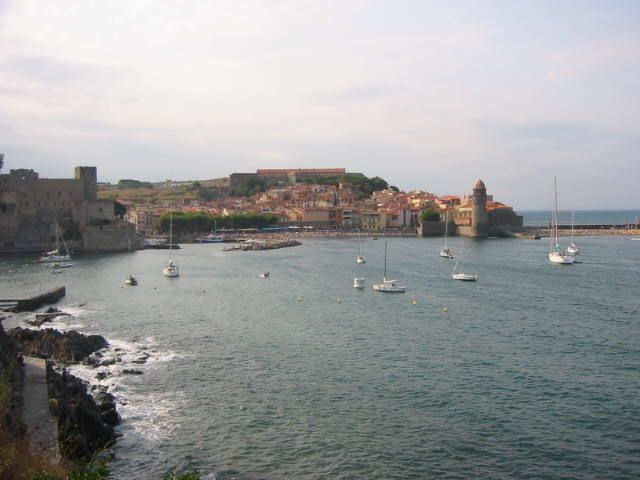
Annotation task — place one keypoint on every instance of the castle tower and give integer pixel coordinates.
(479, 215)
(89, 177)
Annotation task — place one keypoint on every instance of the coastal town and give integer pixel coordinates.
(95, 216)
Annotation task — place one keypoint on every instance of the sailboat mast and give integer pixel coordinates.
(170, 229)
(572, 215)
(385, 261)
(57, 238)
(446, 223)
(555, 209)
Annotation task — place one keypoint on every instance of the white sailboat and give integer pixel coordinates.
(556, 254)
(387, 286)
(55, 256)
(213, 237)
(572, 249)
(467, 277)
(171, 270)
(130, 280)
(360, 258)
(446, 252)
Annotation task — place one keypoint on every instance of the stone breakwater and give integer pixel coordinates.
(264, 244)
(587, 232)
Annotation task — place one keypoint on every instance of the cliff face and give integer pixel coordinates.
(10, 383)
(83, 430)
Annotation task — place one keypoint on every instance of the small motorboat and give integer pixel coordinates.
(131, 280)
(265, 274)
(358, 282)
(467, 277)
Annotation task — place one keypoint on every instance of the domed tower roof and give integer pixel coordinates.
(479, 185)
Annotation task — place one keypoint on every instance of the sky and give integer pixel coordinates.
(428, 95)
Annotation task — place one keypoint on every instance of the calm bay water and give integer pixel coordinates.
(532, 372)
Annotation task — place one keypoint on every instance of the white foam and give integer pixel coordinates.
(153, 416)
(148, 415)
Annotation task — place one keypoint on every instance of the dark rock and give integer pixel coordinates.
(102, 375)
(92, 361)
(140, 360)
(131, 371)
(82, 430)
(11, 381)
(107, 405)
(38, 321)
(68, 347)
(108, 362)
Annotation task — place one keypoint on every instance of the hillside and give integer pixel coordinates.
(160, 192)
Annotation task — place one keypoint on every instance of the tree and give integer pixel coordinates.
(119, 210)
(430, 215)
(129, 183)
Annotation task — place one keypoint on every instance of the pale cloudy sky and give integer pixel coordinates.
(426, 94)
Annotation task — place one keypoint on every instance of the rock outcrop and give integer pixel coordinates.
(84, 427)
(11, 379)
(65, 348)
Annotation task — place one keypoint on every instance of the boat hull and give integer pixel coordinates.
(561, 258)
(465, 277)
(389, 286)
(358, 282)
(171, 271)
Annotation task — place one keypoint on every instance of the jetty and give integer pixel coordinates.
(33, 303)
(263, 244)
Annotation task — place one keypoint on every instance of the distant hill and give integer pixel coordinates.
(141, 192)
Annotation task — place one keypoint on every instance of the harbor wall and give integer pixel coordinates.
(33, 303)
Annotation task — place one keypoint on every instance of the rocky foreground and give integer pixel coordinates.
(85, 423)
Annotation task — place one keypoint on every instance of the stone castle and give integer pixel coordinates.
(32, 208)
(475, 215)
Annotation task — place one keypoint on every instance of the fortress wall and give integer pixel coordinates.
(106, 238)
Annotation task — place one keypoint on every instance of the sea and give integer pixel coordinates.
(532, 372)
(539, 218)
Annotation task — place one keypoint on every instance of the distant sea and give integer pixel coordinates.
(534, 218)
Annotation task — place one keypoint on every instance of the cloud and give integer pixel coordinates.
(45, 70)
(540, 134)
(359, 93)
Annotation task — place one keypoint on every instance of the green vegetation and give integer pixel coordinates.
(430, 215)
(183, 476)
(364, 184)
(198, 222)
(251, 186)
(119, 210)
(206, 194)
(129, 183)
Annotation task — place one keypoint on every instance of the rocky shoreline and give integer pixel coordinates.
(85, 419)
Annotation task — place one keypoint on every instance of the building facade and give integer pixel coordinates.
(31, 207)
